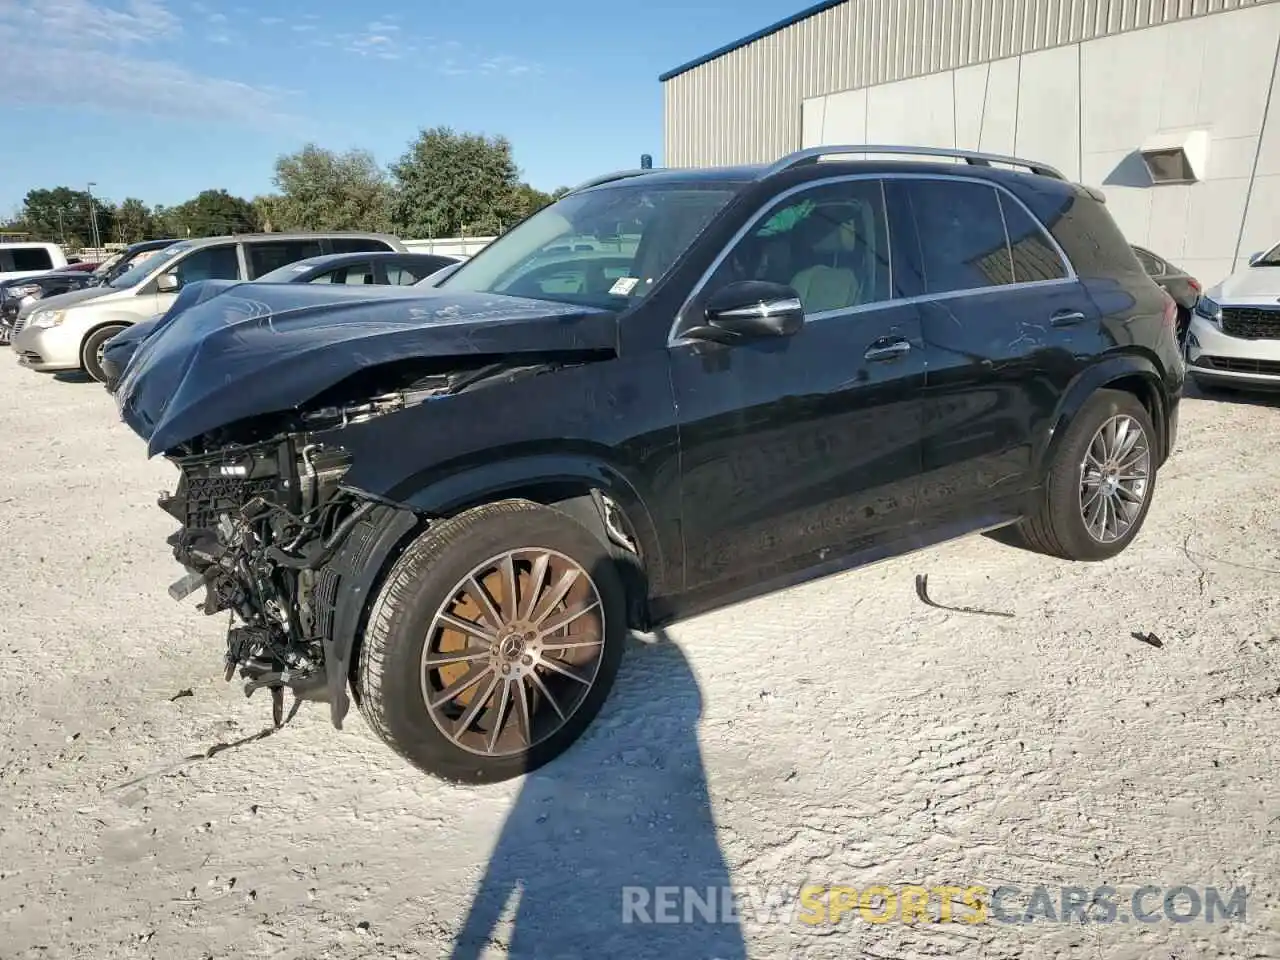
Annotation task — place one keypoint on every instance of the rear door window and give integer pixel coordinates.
(273, 254)
(359, 274)
(961, 241)
(210, 263)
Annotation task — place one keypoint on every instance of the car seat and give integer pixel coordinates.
(832, 281)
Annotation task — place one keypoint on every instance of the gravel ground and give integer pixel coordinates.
(842, 733)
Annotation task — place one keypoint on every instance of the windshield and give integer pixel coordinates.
(145, 263)
(1269, 259)
(607, 247)
(107, 265)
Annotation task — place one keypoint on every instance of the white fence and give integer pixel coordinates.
(450, 246)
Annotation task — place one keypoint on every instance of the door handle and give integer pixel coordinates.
(888, 349)
(1066, 318)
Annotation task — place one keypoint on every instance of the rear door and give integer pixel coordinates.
(804, 450)
(1004, 322)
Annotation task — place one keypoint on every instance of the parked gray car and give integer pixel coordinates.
(69, 332)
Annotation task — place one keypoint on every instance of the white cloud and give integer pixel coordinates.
(481, 66)
(93, 54)
(65, 22)
(304, 27)
(217, 18)
(270, 21)
(382, 26)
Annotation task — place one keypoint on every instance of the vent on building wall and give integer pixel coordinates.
(1176, 157)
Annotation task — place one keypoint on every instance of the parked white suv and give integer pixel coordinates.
(1234, 337)
(29, 259)
(69, 331)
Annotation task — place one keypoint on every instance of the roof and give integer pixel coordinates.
(299, 235)
(795, 18)
(679, 176)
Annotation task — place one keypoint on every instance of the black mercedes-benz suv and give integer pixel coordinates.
(665, 392)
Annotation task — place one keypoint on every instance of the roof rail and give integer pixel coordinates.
(609, 178)
(811, 154)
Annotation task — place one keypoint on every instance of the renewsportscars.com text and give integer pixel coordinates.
(831, 905)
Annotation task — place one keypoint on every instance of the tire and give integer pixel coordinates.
(91, 349)
(1058, 526)
(394, 682)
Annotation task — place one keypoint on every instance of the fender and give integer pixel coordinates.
(1088, 382)
(574, 473)
(574, 484)
(348, 583)
(118, 318)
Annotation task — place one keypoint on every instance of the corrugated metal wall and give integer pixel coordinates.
(744, 107)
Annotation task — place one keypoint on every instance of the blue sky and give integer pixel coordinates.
(160, 99)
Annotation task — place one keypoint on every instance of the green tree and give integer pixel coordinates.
(324, 190)
(134, 221)
(213, 213)
(268, 210)
(62, 215)
(530, 200)
(559, 192)
(448, 183)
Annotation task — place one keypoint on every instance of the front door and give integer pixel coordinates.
(800, 451)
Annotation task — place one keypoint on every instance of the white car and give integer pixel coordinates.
(1234, 337)
(29, 259)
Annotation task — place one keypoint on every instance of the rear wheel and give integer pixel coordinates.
(1100, 484)
(493, 643)
(92, 348)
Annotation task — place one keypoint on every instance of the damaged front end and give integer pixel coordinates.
(271, 534)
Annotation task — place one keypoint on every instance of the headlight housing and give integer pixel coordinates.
(43, 319)
(1210, 310)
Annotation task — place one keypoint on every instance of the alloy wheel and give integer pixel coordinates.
(513, 651)
(1114, 478)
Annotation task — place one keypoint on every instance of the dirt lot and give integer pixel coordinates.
(843, 734)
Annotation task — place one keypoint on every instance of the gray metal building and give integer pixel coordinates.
(1165, 104)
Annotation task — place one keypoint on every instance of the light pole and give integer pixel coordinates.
(93, 218)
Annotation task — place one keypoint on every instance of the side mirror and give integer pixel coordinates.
(750, 310)
(168, 283)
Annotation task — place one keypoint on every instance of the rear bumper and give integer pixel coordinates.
(1215, 357)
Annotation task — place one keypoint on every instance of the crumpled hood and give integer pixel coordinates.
(1248, 285)
(267, 348)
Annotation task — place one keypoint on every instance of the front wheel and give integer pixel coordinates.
(92, 349)
(1100, 483)
(493, 642)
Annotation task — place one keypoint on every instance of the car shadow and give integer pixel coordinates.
(624, 811)
(73, 376)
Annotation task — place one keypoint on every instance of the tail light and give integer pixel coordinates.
(1194, 284)
(1170, 314)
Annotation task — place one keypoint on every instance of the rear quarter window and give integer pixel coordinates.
(25, 258)
(1085, 230)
